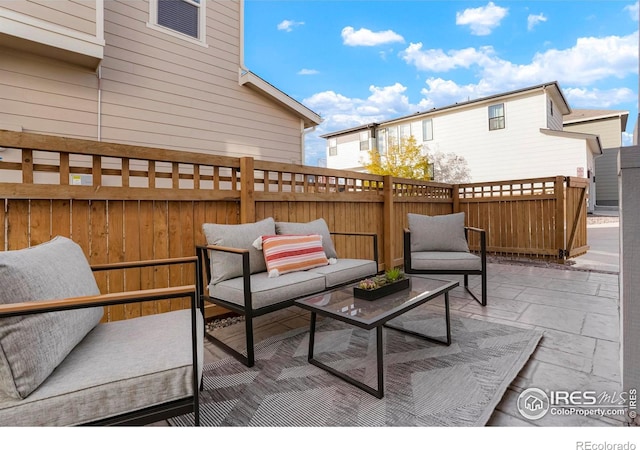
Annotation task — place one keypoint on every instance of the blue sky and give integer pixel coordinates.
(356, 62)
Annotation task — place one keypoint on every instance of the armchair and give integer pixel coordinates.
(439, 245)
(61, 365)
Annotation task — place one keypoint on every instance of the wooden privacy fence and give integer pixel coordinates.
(122, 202)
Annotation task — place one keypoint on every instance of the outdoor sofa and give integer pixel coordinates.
(61, 365)
(257, 268)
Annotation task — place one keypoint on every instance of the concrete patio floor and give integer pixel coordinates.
(576, 309)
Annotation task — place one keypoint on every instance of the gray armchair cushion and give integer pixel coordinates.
(31, 347)
(437, 233)
(225, 266)
(318, 226)
(445, 261)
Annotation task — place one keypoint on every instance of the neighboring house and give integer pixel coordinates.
(509, 136)
(154, 73)
(609, 126)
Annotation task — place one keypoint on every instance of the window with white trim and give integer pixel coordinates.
(382, 141)
(496, 117)
(185, 19)
(364, 141)
(427, 130)
(333, 147)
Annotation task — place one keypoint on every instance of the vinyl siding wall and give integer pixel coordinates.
(156, 90)
(518, 151)
(606, 166)
(77, 15)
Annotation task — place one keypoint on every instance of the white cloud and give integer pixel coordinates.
(440, 92)
(436, 60)
(368, 38)
(482, 20)
(288, 25)
(627, 138)
(308, 72)
(633, 11)
(582, 98)
(535, 19)
(343, 112)
(589, 60)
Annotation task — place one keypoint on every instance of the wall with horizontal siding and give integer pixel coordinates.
(606, 166)
(76, 15)
(519, 150)
(152, 89)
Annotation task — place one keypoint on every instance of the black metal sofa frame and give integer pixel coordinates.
(246, 310)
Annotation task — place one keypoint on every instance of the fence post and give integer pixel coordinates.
(388, 223)
(247, 199)
(455, 195)
(561, 218)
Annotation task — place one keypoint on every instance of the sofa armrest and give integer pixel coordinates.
(374, 236)
(204, 270)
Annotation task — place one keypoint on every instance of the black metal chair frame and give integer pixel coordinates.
(153, 413)
(466, 273)
(247, 310)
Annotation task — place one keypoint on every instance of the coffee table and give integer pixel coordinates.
(340, 304)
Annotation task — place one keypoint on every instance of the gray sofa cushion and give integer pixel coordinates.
(228, 265)
(318, 226)
(346, 270)
(113, 371)
(437, 233)
(445, 261)
(31, 347)
(269, 291)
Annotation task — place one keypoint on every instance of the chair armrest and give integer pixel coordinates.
(145, 263)
(356, 233)
(116, 298)
(483, 242)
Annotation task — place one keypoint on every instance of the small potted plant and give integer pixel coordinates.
(393, 280)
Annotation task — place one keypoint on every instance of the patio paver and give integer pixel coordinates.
(577, 310)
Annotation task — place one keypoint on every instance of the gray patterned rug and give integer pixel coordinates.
(426, 384)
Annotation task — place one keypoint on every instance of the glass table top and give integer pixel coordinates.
(340, 303)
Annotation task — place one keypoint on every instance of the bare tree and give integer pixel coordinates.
(449, 168)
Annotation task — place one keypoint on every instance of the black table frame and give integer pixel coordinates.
(379, 392)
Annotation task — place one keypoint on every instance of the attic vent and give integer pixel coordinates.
(180, 16)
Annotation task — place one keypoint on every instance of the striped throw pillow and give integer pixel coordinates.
(290, 253)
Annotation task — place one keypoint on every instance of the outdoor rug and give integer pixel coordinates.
(426, 384)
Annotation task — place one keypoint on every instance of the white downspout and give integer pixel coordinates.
(99, 75)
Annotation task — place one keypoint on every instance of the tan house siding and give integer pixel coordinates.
(608, 130)
(80, 16)
(152, 89)
(47, 96)
(606, 166)
(159, 90)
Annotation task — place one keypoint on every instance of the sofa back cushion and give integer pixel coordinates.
(32, 346)
(225, 266)
(286, 253)
(318, 226)
(437, 233)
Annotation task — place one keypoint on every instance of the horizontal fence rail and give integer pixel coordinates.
(121, 203)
